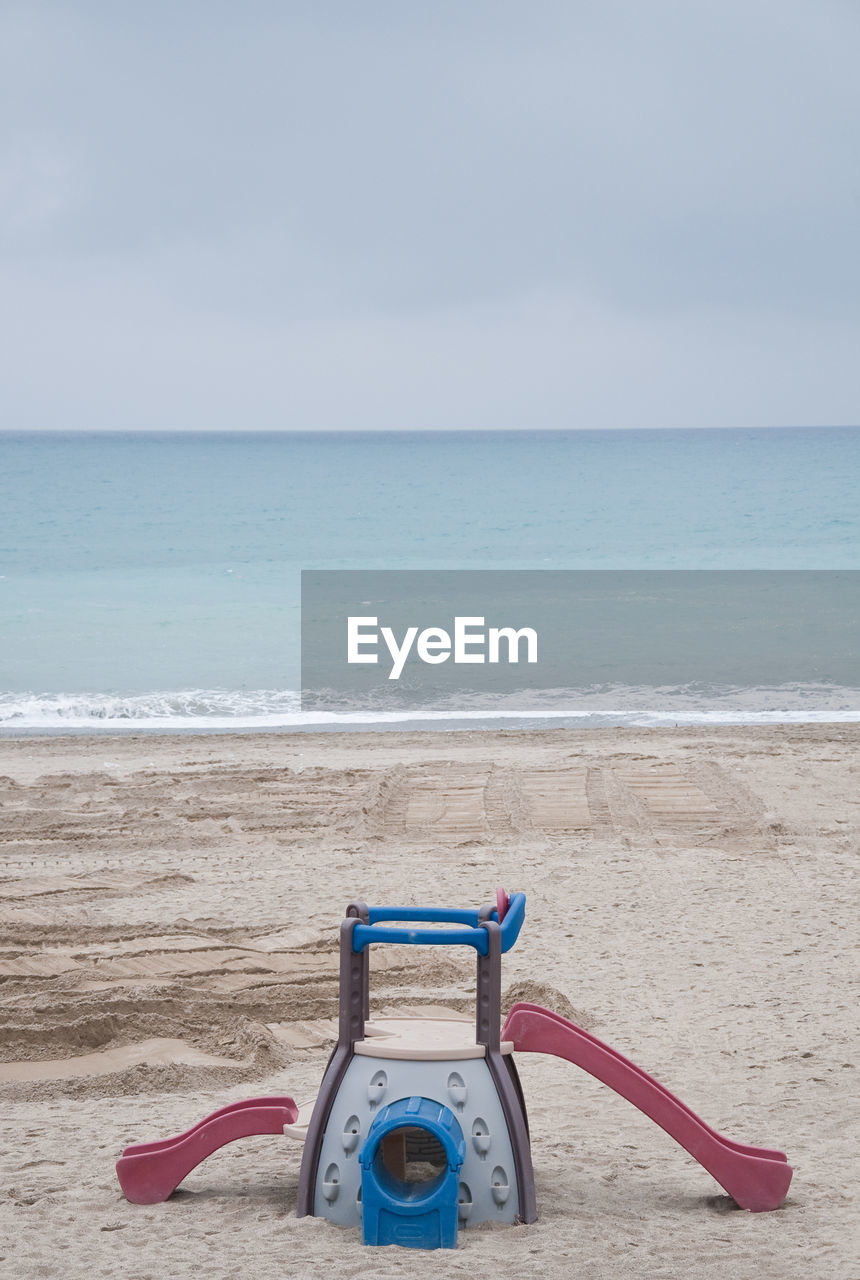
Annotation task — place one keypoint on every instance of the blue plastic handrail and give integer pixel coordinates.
(471, 935)
(436, 915)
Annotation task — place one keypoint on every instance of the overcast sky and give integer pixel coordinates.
(590, 213)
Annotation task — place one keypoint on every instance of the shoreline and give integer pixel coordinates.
(127, 742)
(500, 724)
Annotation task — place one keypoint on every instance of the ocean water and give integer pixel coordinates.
(152, 580)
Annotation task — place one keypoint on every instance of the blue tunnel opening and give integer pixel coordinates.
(410, 1174)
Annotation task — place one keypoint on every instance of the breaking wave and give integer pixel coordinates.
(222, 709)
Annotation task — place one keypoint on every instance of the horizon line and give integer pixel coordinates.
(404, 431)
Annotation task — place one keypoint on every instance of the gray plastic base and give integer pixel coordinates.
(488, 1185)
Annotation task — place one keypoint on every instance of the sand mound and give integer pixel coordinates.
(550, 997)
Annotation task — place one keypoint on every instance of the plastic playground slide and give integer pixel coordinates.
(149, 1172)
(756, 1177)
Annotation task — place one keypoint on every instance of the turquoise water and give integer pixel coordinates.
(153, 579)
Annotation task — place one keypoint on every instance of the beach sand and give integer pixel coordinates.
(169, 910)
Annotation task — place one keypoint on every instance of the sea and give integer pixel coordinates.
(151, 581)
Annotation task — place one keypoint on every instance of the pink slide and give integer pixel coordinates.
(756, 1177)
(150, 1171)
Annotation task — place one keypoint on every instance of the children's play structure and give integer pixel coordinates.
(420, 1126)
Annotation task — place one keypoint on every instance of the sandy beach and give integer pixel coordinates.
(168, 928)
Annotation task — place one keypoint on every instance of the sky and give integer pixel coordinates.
(332, 215)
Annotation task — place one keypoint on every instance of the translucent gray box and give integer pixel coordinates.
(593, 629)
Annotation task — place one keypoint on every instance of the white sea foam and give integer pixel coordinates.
(211, 709)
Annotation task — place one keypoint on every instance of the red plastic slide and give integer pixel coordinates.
(756, 1177)
(150, 1171)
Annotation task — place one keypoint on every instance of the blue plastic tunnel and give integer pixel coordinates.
(418, 1215)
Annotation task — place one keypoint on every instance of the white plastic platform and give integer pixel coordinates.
(423, 1040)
